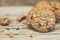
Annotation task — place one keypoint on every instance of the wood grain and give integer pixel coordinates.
(24, 32)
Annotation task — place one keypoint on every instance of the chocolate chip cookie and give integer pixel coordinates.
(41, 18)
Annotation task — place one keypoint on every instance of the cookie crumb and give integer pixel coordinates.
(1, 30)
(20, 18)
(4, 22)
(17, 28)
(31, 36)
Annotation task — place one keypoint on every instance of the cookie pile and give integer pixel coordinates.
(43, 15)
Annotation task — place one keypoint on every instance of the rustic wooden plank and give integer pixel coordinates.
(24, 33)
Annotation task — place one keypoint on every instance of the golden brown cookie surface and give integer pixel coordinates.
(45, 5)
(56, 6)
(41, 18)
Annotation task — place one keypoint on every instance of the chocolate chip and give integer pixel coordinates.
(29, 25)
(23, 18)
(39, 25)
(46, 23)
(31, 17)
(55, 8)
(48, 29)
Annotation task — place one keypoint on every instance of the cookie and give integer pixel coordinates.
(41, 18)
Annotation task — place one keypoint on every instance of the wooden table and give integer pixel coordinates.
(24, 32)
